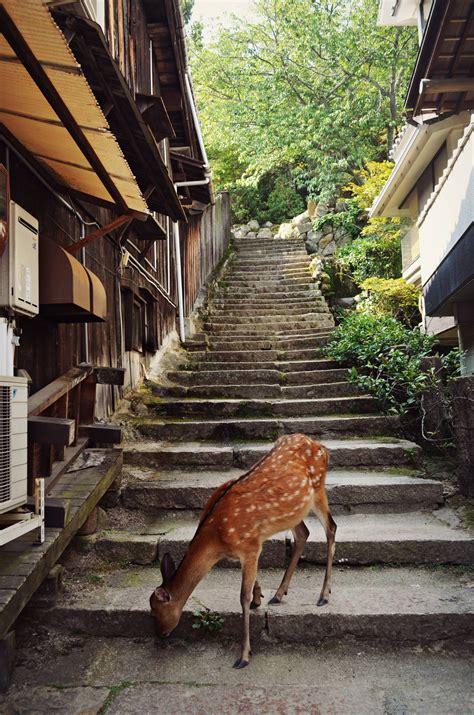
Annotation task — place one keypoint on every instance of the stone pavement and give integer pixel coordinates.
(76, 675)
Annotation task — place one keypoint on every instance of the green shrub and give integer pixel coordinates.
(284, 202)
(390, 296)
(386, 359)
(376, 254)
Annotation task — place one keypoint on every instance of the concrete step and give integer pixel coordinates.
(202, 376)
(361, 540)
(348, 491)
(267, 407)
(269, 428)
(352, 453)
(411, 605)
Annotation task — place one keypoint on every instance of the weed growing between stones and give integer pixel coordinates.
(207, 620)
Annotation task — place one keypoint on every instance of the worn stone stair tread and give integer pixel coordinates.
(410, 604)
(202, 454)
(269, 427)
(288, 366)
(160, 491)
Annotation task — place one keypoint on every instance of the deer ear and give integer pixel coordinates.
(168, 569)
(162, 595)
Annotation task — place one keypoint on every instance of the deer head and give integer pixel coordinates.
(164, 609)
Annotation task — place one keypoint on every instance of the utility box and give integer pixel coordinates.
(13, 442)
(19, 265)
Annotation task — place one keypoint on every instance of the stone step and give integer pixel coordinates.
(352, 453)
(266, 354)
(267, 407)
(266, 295)
(269, 428)
(411, 605)
(263, 286)
(348, 491)
(268, 322)
(362, 539)
(276, 343)
(291, 304)
(202, 376)
(262, 314)
(252, 334)
(259, 390)
(293, 366)
(277, 275)
(318, 322)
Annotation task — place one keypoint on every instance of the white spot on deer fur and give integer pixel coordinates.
(231, 530)
(224, 519)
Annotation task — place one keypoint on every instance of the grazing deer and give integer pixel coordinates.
(276, 494)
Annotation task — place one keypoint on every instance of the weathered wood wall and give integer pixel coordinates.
(204, 241)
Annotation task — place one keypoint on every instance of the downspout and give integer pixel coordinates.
(197, 125)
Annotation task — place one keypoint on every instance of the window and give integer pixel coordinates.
(133, 316)
(430, 177)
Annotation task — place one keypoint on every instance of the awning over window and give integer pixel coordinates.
(69, 292)
(48, 106)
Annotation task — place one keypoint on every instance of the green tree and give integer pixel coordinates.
(311, 84)
(187, 7)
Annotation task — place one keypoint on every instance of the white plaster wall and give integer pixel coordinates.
(451, 213)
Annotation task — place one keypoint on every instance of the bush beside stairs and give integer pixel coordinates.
(258, 372)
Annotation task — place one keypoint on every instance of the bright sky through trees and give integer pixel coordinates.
(221, 9)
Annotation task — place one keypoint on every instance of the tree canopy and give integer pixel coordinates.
(309, 91)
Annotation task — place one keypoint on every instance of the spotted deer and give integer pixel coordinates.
(276, 494)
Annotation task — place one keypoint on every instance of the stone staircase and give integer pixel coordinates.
(259, 373)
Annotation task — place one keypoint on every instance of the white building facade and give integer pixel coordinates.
(432, 182)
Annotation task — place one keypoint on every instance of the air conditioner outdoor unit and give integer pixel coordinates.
(19, 287)
(15, 519)
(13, 442)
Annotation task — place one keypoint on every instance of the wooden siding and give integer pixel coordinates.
(204, 241)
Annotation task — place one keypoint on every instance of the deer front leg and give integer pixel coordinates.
(300, 536)
(249, 574)
(330, 526)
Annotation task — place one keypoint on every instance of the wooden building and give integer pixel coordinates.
(100, 143)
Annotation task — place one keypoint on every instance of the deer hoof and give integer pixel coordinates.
(254, 605)
(274, 600)
(322, 601)
(239, 664)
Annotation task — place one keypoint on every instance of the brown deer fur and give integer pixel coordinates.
(275, 495)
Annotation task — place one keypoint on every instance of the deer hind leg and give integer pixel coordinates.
(256, 596)
(249, 574)
(300, 536)
(321, 508)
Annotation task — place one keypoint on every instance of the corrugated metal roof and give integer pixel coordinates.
(27, 114)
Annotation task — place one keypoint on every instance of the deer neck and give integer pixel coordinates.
(198, 561)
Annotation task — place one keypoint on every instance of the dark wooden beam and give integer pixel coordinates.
(99, 232)
(47, 88)
(51, 430)
(102, 434)
(48, 395)
(109, 375)
(445, 86)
